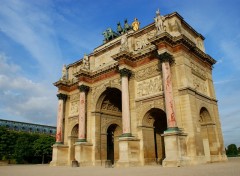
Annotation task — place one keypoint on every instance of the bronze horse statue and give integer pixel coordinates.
(109, 34)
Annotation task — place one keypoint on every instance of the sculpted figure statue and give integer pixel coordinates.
(135, 24)
(124, 43)
(86, 64)
(64, 72)
(159, 22)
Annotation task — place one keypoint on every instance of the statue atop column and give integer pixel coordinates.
(85, 65)
(159, 22)
(135, 24)
(64, 73)
(124, 43)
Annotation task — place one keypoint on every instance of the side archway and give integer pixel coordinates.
(154, 124)
(208, 133)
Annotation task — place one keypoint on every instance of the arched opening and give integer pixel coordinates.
(113, 132)
(109, 123)
(208, 133)
(71, 141)
(154, 125)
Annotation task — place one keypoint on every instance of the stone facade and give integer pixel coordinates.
(145, 97)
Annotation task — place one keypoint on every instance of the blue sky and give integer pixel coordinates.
(38, 37)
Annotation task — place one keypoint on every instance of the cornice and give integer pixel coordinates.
(183, 40)
(197, 93)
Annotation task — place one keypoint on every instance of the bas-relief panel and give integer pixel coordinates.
(198, 71)
(73, 108)
(143, 41)
(149, 86)
(147, 72)
(199, 77)
(200, 85)
(74, 104)
(108, 106)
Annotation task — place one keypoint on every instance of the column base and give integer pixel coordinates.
(175, 147)
(129, 152)
(59, 155)
(126, 135)
(83, 153)
(81, 140)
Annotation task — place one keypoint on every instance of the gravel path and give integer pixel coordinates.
(230, 168)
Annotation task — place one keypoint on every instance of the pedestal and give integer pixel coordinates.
(59, 155)
(83, 153)
(175, 148)
(129, 152)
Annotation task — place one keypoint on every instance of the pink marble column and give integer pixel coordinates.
(125, 73)
(82, 114)
(59, 135)
(168, 91)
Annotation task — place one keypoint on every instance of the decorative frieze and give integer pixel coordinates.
(149, 87)
(147, 72)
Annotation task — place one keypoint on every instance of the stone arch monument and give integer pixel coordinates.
(144, 97)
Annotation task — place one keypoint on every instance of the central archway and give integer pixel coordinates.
(154, 125)
(110, 107)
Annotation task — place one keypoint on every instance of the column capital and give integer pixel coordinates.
(83, 88)
(166, 57)
(125, 72)
(62, 96)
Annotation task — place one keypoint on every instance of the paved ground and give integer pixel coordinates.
(230, 168)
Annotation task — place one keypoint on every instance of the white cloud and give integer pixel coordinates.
(24, 99)
(27, 24)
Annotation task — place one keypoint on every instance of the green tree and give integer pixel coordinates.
(7, 143)
(239, 150)
(43, 146)
(232, 150)
(24, 152)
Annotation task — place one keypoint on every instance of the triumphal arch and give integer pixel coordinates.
(145, 96)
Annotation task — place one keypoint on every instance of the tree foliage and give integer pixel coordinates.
(7, 143)
(25, 147)
(42, 146)
(232, 150)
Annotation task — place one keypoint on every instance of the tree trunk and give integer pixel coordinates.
(43, 159)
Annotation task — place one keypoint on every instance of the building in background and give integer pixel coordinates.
(28, 127)
(146, 96)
